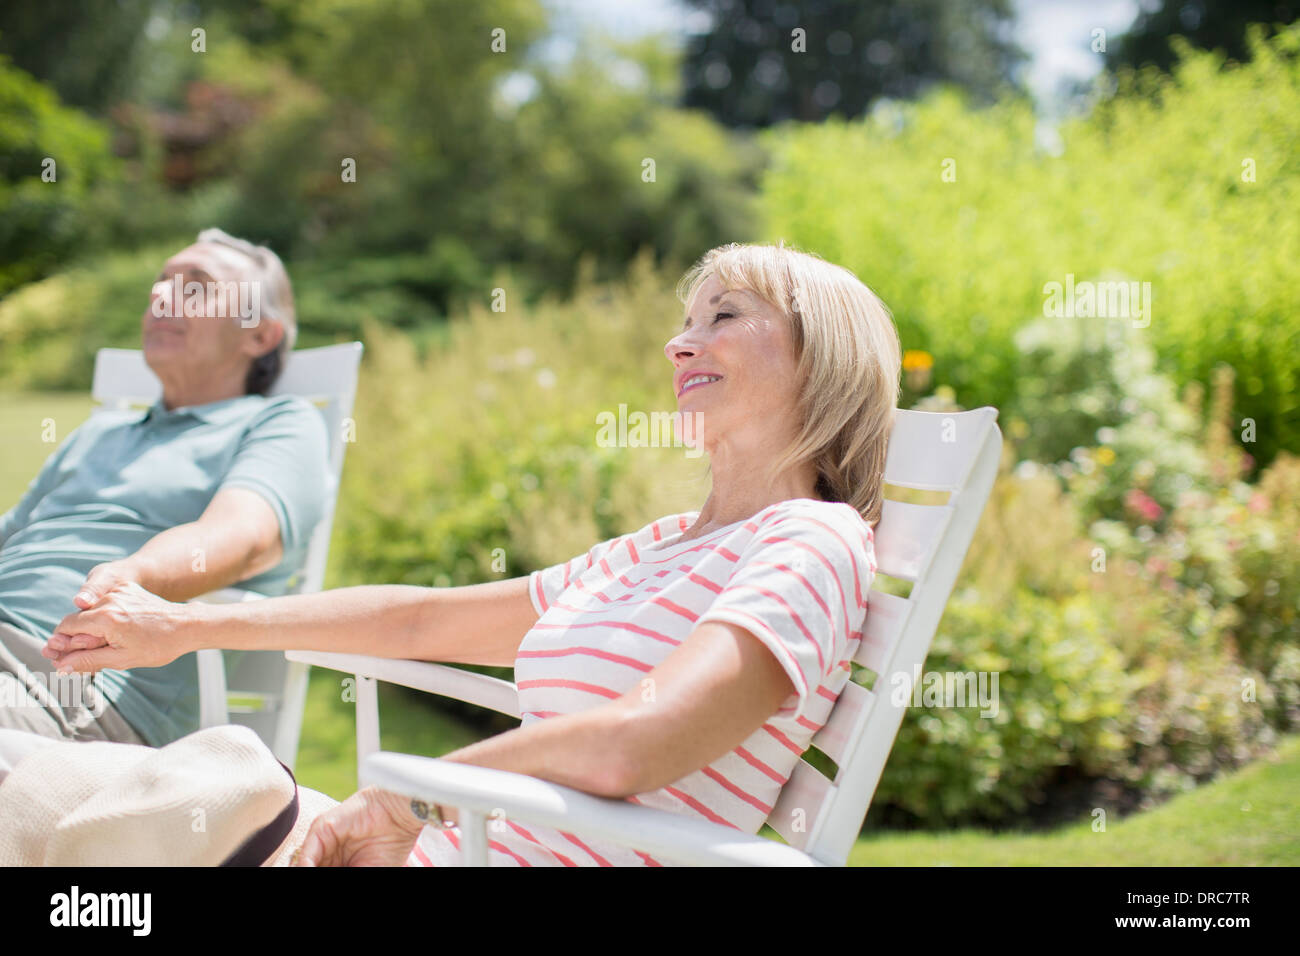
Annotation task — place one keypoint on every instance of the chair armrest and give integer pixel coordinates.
(484, 791)
(480, 689)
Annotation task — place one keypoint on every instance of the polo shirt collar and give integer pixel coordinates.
(212, 412)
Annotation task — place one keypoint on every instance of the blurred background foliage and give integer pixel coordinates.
(1136, 579)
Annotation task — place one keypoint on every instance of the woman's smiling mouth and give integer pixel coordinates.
(697, 381)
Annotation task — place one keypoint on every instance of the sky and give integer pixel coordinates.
(1057, 34)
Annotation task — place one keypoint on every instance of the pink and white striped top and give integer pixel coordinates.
(796, 576)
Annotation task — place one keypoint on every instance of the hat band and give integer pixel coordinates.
(259, 847)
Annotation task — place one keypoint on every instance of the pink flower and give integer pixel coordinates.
(1142, 504)
(1258, 502)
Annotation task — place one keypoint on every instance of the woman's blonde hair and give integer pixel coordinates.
(849, 361)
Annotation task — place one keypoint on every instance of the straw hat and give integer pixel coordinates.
(217, 797)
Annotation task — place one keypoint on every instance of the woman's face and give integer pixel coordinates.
(734, 370)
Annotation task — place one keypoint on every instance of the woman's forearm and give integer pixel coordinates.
(471, 624)
(380, 620)
(130, 627)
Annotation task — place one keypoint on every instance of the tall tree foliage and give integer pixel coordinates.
(764, 61)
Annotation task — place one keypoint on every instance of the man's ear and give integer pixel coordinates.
(262, 338)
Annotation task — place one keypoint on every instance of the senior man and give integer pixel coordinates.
(216, 484)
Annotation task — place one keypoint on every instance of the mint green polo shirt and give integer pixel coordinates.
(123, 477)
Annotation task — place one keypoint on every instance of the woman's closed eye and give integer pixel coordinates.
(723, 315)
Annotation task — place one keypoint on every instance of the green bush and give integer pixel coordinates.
(1147, 187)
(1110, 667)
(489, 441)
(43, 223)
(1061, 687)
(50, 330)
(1091, 403)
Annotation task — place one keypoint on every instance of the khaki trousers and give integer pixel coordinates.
(36, 699)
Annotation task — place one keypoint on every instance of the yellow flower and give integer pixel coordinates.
(1105, 456)
(914, 359)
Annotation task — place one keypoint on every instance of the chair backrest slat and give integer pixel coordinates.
(886, 615)
(122, 379)
(799, 804)
(908, 536)
(837, 736)
(934, 451)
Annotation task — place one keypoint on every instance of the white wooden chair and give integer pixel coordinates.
(262, 690)
(956, 453)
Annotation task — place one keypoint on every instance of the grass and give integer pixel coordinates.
(1245, 818)
(26, 419)
(327, 753)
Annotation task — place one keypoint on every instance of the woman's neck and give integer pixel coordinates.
(738, 494)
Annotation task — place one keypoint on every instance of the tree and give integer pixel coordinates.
(764, 61)
(1208, 24)
(86, 52)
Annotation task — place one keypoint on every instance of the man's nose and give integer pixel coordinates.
(160, 300)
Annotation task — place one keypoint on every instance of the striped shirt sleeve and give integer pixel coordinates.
(800, 587)
(547, 584)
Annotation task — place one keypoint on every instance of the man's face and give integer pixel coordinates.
(202, 336)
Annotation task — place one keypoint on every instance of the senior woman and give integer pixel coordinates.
(684, 666)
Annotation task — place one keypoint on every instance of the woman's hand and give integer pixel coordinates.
(128, 627)
(372, 827)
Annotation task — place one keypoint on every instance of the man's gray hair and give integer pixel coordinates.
(276, 304)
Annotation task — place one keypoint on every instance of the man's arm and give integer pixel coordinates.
(269, 500)
(236, 537)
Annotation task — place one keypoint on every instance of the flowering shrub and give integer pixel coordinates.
(1135, 532)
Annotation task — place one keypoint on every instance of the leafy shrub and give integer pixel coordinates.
(490, 440)
(43, 223)
(1108, 668)
(1061, 690)
(1151, 186)
(1090, 382)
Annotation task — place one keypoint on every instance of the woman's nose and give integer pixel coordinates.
(677, 350)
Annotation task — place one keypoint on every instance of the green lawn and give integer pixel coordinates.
(26, 418)
(1247, 818)
(327, 753)
(1251, 817)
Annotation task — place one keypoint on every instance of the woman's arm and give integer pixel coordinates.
(706, 698)
(475, 624)
(701, 701)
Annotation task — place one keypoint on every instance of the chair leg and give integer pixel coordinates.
(213, 711)
(367, 720)
(473, 842)
(293, 701)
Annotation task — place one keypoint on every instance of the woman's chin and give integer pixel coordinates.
(688, 428)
